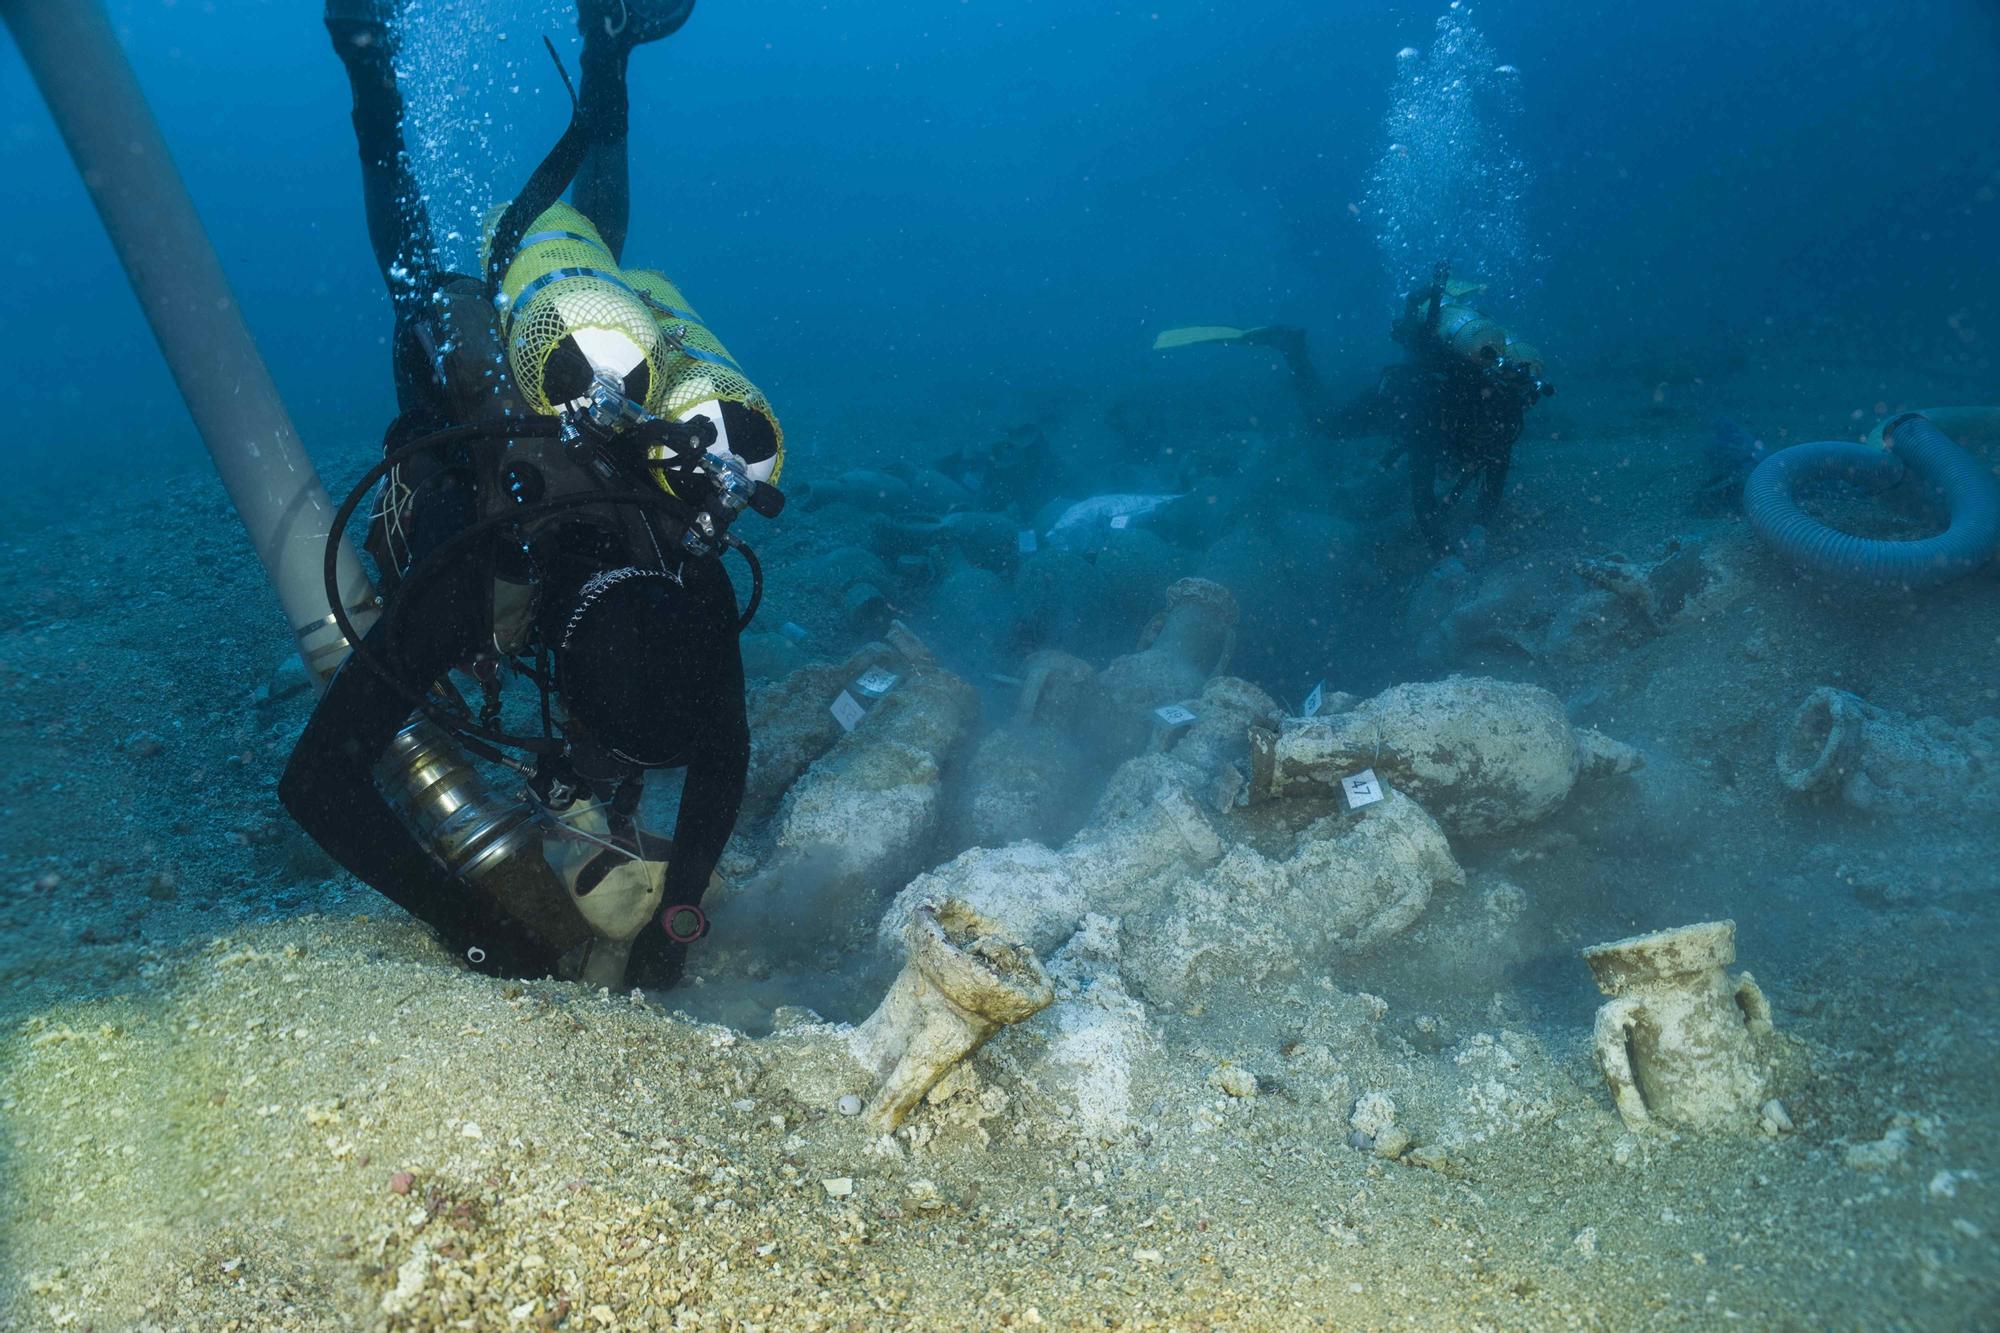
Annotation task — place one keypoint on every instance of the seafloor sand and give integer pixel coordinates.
(238, 1094)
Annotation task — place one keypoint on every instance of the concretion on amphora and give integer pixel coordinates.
(964, 981)
(1482, 756)
(1886, 762)
(1189, 641)
(1678, 1041)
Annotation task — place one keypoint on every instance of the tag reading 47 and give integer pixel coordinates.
(1362, 789)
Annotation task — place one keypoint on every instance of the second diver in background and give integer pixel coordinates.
(1454, 406)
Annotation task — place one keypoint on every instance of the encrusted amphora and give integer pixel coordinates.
(1680, 1041)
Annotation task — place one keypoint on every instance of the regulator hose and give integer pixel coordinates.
(458, 720)
(1913, 446)
(545, 185)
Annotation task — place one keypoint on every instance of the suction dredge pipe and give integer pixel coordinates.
(111, 134)
(1914, 444)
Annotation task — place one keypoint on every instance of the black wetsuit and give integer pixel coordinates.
(328, 785)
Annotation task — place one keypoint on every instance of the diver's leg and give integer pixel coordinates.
(1290, 343)
(611, 28)
(604, 181)
(399, 228)
(329, 784)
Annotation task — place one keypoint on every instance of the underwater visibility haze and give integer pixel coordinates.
(687, 664)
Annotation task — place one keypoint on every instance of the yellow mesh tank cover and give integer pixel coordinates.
(700, 373)
(569, 313)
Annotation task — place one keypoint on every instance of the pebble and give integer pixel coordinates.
(143, 745)
(471, 1131)
(288, 678)
(1944, 1185)
(1234, 1080)
(850, 1105)
(839, 1187)
(1373, 1113)
(1393, 1142)
(401, 1182)
(1880, 1155)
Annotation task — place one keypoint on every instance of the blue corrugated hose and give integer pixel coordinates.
(1914, 446)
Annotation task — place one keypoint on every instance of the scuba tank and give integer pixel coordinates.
(569, 315)
(1471, 336)
(1466, 333)
(700, 374)
(1437, 321)
(1528, 358)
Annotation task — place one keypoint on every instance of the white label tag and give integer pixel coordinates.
(876, 682)
(847, 712)
(1174, 715)
(1362, 789)
(1121, 520)
(796, 633)
(1027, 542)
(1313, 701)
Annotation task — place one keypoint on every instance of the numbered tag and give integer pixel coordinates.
(1313, 701)
(876, 682)
(1027, 541)
(847, 711)
(1121, 520)
(1364, 788)
(796, 633)
(1174, 715)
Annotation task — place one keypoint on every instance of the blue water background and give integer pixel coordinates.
(917, 220)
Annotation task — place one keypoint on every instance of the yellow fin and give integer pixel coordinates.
(1196, 333)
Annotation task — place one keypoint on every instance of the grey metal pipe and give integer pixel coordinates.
(95, 99)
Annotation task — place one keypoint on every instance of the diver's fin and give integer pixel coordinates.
(629, 23)
(1198, 333)
(1287, 338)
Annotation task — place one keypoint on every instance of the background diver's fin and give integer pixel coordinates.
(1198, 333)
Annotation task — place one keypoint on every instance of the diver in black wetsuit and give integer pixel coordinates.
(1453, 406)
(635, 629)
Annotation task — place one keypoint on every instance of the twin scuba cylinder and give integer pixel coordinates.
(1438, 322)
(1471, 336)
(573, 320)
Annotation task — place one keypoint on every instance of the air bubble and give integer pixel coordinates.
(1449, 185)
